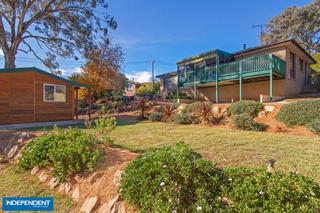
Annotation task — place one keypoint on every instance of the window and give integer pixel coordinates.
(293, 65)
(301, 65)
(130, 87)
(54, 93)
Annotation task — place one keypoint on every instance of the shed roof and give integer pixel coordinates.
(34, 69)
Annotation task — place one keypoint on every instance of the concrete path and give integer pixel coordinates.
(40, 124)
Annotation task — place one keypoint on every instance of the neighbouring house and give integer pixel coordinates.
(268, 72)
(131, 88)
(30, 95)
(168, 84)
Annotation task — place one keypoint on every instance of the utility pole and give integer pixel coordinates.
(152, 64)
(261, 26)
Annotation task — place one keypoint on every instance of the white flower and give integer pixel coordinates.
(230, 179)
(261, 193)
(199, 208)
(174, 211)
(162, 184)
(164, 166)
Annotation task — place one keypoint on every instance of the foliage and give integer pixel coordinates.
(101, 71)
(207, 116)
(299, 113)
(316, 67)
(67, 151)
(314, 126)
(300, 23)
(155, 116)
(182, 118)
(168, 111)
(61, 27)
(142, 106)
(255, 190)
(194, 107)
(146, 89)
(245, 122)
(251, 108)
(178, 179)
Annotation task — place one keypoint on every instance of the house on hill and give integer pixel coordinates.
(266, 73)
(29, 95)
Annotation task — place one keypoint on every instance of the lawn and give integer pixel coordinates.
(22, 184)
(226, 147)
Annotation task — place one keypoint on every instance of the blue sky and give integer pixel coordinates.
(168, 30)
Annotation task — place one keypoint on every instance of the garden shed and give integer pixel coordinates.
(30, 95)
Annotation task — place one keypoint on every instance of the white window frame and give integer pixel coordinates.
(55, 86)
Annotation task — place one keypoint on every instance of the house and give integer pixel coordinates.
(30, 95)
(131, 88)
(268, 72)
(168, 84)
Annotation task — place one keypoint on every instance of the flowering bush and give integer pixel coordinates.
(172, 179)
(66, 151)
(255, 190)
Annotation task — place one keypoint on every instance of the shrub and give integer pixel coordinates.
(183, 118)
(155, 116)
(314, 126)
(171, 179)
(255, 190)
(299, 113)
(66, 151)
(195, 107)
(251, 108)
(245, 122)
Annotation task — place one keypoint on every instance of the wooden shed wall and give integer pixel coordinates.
(21, 99)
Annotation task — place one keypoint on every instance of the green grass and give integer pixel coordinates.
(227, 147)
(22, 184)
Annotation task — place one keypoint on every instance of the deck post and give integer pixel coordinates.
(271, 77)
(217, 76)
(90, 103)
(77, 102)
(240, 80)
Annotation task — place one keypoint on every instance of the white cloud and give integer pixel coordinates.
(1, 52)
(140, 76)
(68, 72)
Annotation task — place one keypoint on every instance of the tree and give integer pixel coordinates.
(101, 71)
(61, 27)
(146, 89)
(299, 23)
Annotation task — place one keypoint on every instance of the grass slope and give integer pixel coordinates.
(227, 147)
(17, 184)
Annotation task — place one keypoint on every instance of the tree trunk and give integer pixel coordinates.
(10, 61)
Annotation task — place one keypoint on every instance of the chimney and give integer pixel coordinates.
(244, 46)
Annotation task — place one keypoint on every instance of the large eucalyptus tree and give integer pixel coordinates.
(59, 27)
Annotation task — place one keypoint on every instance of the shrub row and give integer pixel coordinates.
(67, 151)
(177, 179)
(251, 108)
(299, 113)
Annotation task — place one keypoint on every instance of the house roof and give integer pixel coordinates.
(274, 44)
(34, 69)
(169, 74)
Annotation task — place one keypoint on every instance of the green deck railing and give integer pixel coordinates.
(248, 67)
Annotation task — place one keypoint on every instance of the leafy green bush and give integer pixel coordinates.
(245, 122)
(182, 118)
(299, 113)
(155, 116)
(314, 126)
(172, 179)
(195, 107)
(66, 151)
(255, 190)
(251, 108)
